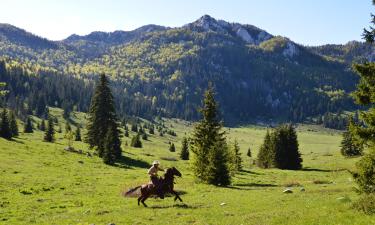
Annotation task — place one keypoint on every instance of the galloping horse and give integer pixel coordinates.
(167, 184)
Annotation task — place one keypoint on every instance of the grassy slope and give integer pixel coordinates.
(42, 184)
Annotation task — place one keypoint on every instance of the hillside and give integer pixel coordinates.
(44, 184)
(163, 71)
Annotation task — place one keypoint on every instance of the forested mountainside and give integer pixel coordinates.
(163, 71)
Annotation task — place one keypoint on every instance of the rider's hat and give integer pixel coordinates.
(156, 162)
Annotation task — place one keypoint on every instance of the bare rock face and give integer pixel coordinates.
(290, 49)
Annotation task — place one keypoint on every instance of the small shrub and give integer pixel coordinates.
(366, 204)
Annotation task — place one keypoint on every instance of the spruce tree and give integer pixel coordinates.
(102, 115)
(184, 154)
(49, 134)
(209, 146)
(5, 131)
(266, 154)
(112, 146)
(13, 124)
(126, 133)
(28, 127)
(68, 128)
(364, 131)
(249, 152)
(136, 142)
(287, 155)
(144, 136)
(172, 148)
(77, 134)
(236, 156)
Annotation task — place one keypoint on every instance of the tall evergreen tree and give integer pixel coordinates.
(13, 124)
(236, 157)
(102, 115)
(209, 146)
(28, 127)
(68, 128)
(266, 154)
(184, 154)
(77, 134)
(249, 152)
(112, 146)
(365, 131)
(287, 155)
(5, 131)
(49, 134)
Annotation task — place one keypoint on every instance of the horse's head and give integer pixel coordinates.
(173, 172)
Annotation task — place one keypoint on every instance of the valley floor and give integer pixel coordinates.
(41, 183)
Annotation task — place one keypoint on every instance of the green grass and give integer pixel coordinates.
(43, 184)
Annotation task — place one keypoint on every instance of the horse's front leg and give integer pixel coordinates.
(176, 196)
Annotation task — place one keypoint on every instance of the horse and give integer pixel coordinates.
(167, 185)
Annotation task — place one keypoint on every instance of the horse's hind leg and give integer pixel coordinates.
(177, 196)
(139, 199)
(144, 199)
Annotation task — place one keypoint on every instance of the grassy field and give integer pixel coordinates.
(41, 183)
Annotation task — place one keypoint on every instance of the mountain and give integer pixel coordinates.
(164, 71)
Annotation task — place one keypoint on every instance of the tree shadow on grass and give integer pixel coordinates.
(249, 186)
(126, 162)
(250, 172)
(321, 170)
(180, 206)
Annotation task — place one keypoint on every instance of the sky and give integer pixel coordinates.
(308, 22)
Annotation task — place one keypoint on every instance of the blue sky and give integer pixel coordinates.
(309, 22)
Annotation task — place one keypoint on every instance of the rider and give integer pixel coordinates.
(153, 172)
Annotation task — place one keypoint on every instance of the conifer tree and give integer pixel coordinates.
(249, 152)
(172, 148)
(209, 146)
(349, 146)
(266, 154)
(77, 134)
(5, 131)
(102, 115)
(112, 146)
(184, 154)
(144, 136)
(42, 125)
(49, 134)
(364, 132)
(126, 133)
(136, 142)
(287, 155)
(13, 124)
(236, 156)
(68, 128)
(28, 127)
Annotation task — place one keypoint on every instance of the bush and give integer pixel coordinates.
(366, 204)
(136, 142)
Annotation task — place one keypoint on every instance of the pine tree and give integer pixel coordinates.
(42, 125)
(102, 115)
(144, 136)
(112, 146)
(349, 146)
(236, 157)
(172, 148)
(77, 134)
(13, 124)
(28, 127)
(136, 142)
(134, 128)
(364, 131)
(151, 129)
(184, 154)
(287, 155)
(126, 133)
(5, 131)
(248, 152)
(211, 158)
(266, 154)
(49, 134)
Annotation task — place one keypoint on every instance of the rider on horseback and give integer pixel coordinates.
(153, 172)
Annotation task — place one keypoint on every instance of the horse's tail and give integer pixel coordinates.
(130, 191)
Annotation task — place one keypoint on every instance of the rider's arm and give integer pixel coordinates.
(160, 169)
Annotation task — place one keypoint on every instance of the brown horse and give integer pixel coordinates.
(167, 185)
